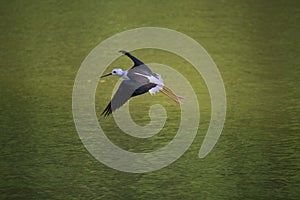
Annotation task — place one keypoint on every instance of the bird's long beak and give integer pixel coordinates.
(105, 75)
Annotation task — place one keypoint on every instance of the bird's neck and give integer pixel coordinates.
(124, 74)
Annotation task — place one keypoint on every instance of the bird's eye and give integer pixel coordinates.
(114, 72)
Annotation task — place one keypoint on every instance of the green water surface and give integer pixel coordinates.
(255, 45)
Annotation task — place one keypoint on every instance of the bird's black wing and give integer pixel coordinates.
(126, 90)
(136, 61)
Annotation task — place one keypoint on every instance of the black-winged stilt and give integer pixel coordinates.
(138, 80)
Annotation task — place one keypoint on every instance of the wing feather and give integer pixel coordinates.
(126, 90)
(136, 61)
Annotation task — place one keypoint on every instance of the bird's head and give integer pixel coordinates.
(115, 72)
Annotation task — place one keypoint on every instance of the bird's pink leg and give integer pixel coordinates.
(173, 99)
(170, 91)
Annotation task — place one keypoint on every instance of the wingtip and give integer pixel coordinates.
(107, 111)
(122, 51)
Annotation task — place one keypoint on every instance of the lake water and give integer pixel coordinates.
(255, 45)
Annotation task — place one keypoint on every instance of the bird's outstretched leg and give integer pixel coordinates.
(170, 97)
(171, 92)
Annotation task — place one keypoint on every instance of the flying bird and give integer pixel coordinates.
(138, 80)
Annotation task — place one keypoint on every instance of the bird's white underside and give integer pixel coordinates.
(156, 89)
(156, 80)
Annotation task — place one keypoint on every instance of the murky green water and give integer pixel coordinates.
(256, 47)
